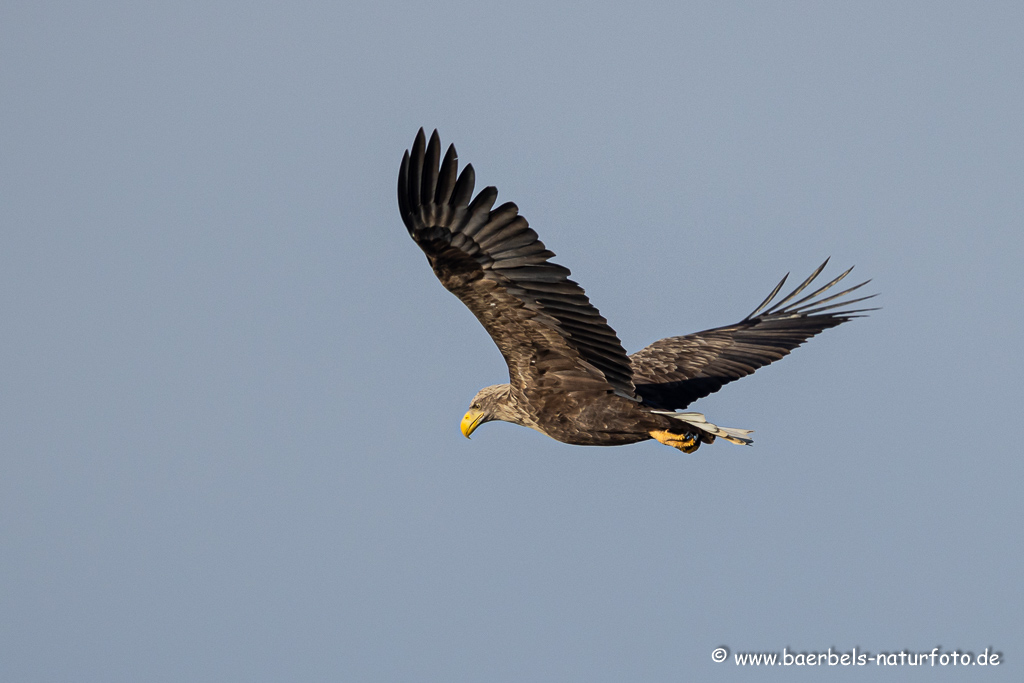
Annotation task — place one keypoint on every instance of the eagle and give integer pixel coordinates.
(569, 376)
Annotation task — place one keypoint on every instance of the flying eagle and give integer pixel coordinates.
(569, 377)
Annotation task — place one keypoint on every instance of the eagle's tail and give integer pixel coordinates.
(698, 421)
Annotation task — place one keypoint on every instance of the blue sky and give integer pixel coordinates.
(230, 386)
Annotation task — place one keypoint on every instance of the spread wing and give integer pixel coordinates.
(542, 322)
(672, 373)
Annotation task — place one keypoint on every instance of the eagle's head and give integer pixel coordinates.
(490, 403)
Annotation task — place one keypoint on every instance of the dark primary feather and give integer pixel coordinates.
(672, 373)
(543, 323)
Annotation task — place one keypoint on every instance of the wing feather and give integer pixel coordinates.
(673, 373)
(542, 322)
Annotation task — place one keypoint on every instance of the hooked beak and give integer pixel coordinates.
(470, 421)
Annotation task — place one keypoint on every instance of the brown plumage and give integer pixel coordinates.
(569, 376)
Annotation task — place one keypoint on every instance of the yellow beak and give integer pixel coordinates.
(470, 421)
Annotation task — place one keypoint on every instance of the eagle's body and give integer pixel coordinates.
(582, 418)
(569, 377)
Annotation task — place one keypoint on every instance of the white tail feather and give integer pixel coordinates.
(731, 434)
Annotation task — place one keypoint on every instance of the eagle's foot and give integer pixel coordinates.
(687, 443)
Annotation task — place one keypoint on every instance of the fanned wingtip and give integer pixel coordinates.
(801, 287)
(809, 304)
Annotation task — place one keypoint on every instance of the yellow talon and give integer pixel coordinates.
(687, 443)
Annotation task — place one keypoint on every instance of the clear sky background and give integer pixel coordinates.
(230, 386)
